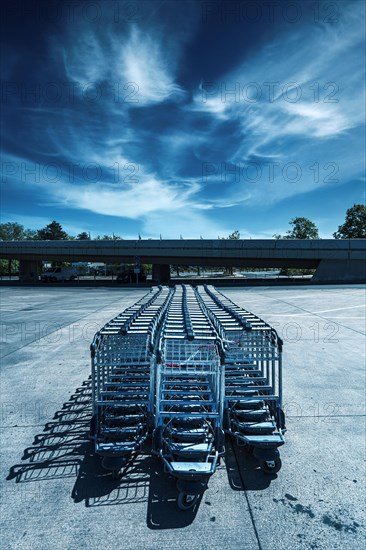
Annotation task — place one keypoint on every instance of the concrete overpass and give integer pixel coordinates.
(334, 260)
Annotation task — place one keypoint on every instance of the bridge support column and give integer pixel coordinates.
(28, 271)
(340, 271)
(161, 273)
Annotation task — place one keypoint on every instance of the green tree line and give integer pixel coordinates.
(354, 227)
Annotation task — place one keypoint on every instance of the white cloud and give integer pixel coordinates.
(315, 120)
(137, 67)
(320, 63)
(189, 223)
(84, 58)
(143, 63)
(210, 102)
(305, 131)
(149, 195)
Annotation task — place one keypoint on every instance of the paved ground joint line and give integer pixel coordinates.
(245, 494)
(49, 333)
(327, 416)
(316, 315)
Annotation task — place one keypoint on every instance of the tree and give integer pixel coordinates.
(354, 226)
(109, 238)
(52, 232)
(303, 228)
(83, 236)
(234, 236)
(12, 231)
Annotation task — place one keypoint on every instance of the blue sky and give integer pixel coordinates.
(182, 118)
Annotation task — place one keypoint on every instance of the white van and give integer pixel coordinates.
(59, 274)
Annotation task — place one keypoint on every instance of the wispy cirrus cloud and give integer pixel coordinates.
(136, 68)
(299, 101)
(193, 145)
(129, 201)
(143, 62)
(313, 77)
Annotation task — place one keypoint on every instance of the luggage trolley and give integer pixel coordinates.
(188, 432)
(123, 380)
(253, 378)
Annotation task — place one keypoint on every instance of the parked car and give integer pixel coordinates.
(59, 274)
(130, 277)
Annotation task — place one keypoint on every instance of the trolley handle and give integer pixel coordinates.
(127, 324)
(187, 317)
(95, 343)
(276, 339)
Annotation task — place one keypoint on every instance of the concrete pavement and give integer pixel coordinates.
(56, 495)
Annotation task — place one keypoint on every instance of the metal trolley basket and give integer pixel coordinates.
(188, 416)
(189, 397)
(187, 365)
(253, 378)
(123, 370)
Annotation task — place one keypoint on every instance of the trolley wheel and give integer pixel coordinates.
(186, 502)
(271, 466)
(249, 449)
(220, 440)
(93, 426)
(158, 439)
(116, 474)
(226, 419)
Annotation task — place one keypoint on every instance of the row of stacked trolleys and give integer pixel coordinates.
(180, 368)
